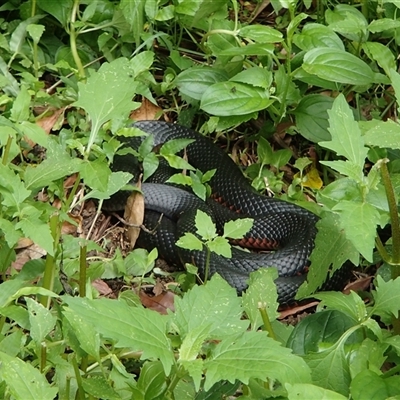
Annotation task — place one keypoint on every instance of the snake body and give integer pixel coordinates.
(288, 228)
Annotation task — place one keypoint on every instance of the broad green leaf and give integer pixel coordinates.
(85, 332)
(346, 135)
(330, 369)
(193, 310)
(18, 36)
(308, 391)
(35, 31)
(152, 381)
(107, 94)
(381, 54)
(338, 66)
(50, 170)
(294, 24)
(142, 62)
(331, 248)
(220, 246)
(312, 117)
(21, 106)
(261, 34)
(24, 381)
(317, 35)
(133, 12)
(61, 10)
(238, 228)
(395, 80)
(384, 134)
(312, 333)
(116, 181)
(263, 359)
(177, 162)
(261, 292)
(234, 98)
(42, 322)
(136, 328)
(378, 386)
(139, 262)
(352, 304)
(249, 50)
(194, 81)
(33, 132)
(150, 165)
(383, 24)
(174, 146)
(190, 242)
(99, 387)
(359, 222)
(205, 225)
(11, 236)
(255, 76)
(347, 168)
(96, 174)
(387, 298)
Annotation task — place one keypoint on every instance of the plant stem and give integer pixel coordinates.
(394, 218)
(6, 150)
(73, 36)
(207, 266)
(82, 271)
(50, 266)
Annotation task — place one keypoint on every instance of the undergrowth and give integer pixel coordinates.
(320, 81)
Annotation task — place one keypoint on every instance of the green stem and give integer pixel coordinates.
(72, 193)
(267, 323)
(50, 266)
(81, 393)
(33, 8)
(82, 271)
(207, 266)
(73, 36)
(175, 380)
(394, 218)
(43, 356)
(382, 250)
(6, 151)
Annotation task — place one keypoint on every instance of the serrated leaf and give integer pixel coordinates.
(255, 76)
(308, 391)
(24, 381)
(234, 98)
(41, 320)
(193, 310)
(116, 181)
(359, 221)
(346, 135)
(238, 228)
(229, 361)
(95, 174)
(12, 189)
(384, 134)
(387, 297)
(205, 225)
(347, 168)
(220, 246)
(331, 248)
(338, 66)
(261, 291)
(190, 242)
(194, 81)
(136, 328)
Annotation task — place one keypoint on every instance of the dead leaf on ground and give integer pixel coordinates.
(297, 309)
(134, 215)
(360, 284)
(160, 303)
(103, 288)
(47, 123)
(147, 111)
(33, 252)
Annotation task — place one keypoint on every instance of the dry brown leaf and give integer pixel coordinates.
(160, 303)
(297, 309)
(32, 252)
(102, 287)
(47, 123)
(359, 284)
(147, 111)
(134, 215)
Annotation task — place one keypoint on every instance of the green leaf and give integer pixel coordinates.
(142, 62)
(384, 134)
(107, 94)
(99, 387)
(35, 31)
(21, 106)
(233, 98)
(85, 332)
(194, 81)
(238, 228)
(346, 135)
(193, 310)
(220, 246)
(152, 381)
(96, 174)
(177, 162)
(308, 391)
(255, 76)
(383, 24)
(359, 221)
(136, 328)
(387, 298)
(261, 291)
(317, 35)
(24, 381)
(34, 132)
(249, 50)
(261, 34)
(12, 189)
(312, 117)
(42, 322)
(261, 359)
(61, 10)
(331, 248)
(338, 66)
(381, 54)
(312, 333)
(190, 242)
(174, 146)
(395, 80)
(330, 369)
(205, 225)
(116, 181)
